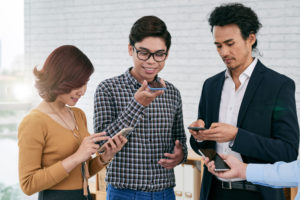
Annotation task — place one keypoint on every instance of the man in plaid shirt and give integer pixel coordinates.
(143, 169)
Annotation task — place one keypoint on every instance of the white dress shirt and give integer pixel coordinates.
(231, 100)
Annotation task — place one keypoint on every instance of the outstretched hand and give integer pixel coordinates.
(173, 159)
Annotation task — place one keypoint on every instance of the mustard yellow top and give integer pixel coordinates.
(43, 144)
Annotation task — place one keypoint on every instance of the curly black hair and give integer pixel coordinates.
(235, 13)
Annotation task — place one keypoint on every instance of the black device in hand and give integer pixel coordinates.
(156, 85)
(220, 164)
(194, 128)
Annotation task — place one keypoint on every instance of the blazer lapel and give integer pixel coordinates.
(254, 82)
(217, 99)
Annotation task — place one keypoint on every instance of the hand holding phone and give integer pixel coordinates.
(211, 154)
(124, 132)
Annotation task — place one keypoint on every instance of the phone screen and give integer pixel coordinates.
(220, 164)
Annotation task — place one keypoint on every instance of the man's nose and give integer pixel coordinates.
(151, 59)
(224, 51)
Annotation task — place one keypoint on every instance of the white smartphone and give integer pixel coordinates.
(125, 132)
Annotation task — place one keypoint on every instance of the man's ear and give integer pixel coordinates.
(167, 55)
(130, 50)
(252, 38)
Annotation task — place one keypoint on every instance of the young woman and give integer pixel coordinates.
(55, 147)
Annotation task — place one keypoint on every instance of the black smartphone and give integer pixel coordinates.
(125, 132)
(196, 128)
(156, 85)
(220, 164)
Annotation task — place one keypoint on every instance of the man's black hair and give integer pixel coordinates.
(149, 26)
(235, 13)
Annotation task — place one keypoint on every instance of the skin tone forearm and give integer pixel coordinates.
(70, 163)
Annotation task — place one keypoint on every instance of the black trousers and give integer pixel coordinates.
(217, 193)
(63, 195)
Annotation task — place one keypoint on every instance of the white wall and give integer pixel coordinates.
(101, 27)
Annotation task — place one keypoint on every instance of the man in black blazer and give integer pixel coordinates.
(248, 109)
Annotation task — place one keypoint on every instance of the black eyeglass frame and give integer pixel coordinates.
(150, 54)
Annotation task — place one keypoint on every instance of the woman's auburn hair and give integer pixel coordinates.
(65, 69)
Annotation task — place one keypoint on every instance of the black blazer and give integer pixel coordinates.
(267, 121)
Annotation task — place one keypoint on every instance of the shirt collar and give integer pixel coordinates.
(248, 71)
(133, 80)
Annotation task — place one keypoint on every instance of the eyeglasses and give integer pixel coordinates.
(145, 55)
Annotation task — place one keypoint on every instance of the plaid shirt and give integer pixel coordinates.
(156, 127)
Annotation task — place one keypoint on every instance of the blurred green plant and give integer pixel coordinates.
(10, 192)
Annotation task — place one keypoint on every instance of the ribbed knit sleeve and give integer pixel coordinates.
(31, 141)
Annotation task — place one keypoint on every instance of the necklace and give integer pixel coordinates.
(73, 118)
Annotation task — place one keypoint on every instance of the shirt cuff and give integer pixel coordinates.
(255, 173)
(95, 166)
(132, 113)
(231, 143)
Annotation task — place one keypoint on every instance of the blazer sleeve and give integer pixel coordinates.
(106, 117)
(201, 115)
(283, 143)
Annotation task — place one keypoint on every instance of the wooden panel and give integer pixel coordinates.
(287, 193)
(100, 179)
(293, 193)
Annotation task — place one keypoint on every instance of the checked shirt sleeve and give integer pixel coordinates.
(106, 115)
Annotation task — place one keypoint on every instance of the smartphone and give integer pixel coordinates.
(220, 164)
(125, 132)
(196, 128)
(156, 85)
